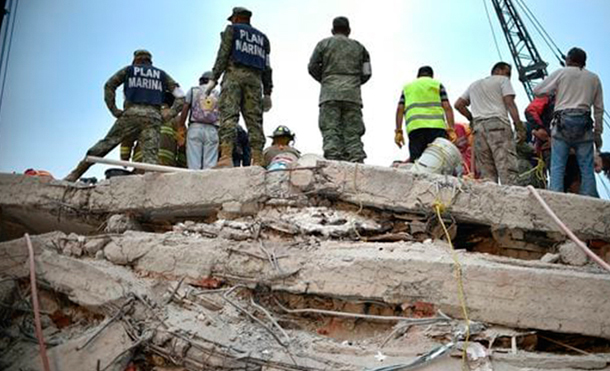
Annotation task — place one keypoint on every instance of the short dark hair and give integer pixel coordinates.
(577, 56)
(425, 71)
(341, 25)
(500, 66)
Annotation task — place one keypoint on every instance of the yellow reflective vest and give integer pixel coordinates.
(423, 109)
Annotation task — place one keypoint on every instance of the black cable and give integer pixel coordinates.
(492, 29)
(538, 28)
(6, 28)
(560, 57)
(8, 52)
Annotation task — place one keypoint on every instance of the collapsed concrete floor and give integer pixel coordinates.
(330, 266)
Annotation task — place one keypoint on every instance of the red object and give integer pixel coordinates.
(463, 141)
(33, 172)
(209, 283)
(536, 108)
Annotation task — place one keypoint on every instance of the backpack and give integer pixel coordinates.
(204, 109)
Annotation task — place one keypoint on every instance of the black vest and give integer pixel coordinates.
(249, 46)
(144, 84)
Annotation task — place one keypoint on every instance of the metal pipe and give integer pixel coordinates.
(137, 165)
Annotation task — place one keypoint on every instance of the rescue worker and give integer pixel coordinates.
(281, 146)
(492, 99)
(427, 112)
(241, 149)
(168, 141)
(246, 86)
(202, 143)
(577, 90)
(144, 86)
(341, 65)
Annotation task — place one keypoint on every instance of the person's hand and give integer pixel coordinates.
(521, 132)
(399, 139)
(267, 104)
(597, 162)
(117, 112)
(181, 136)
(209, 87)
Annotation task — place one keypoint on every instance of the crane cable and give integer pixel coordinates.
(8, 50)
(541, 31)
(492, 30)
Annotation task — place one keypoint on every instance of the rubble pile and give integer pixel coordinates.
(328, 266)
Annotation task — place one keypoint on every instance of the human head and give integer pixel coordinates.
(240, 15)
(425, 71)
(282, 135)
(502, 69)
(142, 56)
(576, 58)
(205, 78)
(341, 26)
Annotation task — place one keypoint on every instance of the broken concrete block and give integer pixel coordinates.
(550, 258)
(94, 245)
(571, 254)
(121, 223)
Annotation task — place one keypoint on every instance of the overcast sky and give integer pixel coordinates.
(64, 51)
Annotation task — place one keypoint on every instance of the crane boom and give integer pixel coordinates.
(530, 66)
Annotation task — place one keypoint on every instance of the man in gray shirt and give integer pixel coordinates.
(491, 100)
(577, 89)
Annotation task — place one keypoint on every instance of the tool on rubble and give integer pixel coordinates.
(136, 165)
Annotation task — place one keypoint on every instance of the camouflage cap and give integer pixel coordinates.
(340, 22)
(239, 10)
(207, 75)
(142, 53)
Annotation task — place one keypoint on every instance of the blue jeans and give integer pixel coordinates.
(560, 149)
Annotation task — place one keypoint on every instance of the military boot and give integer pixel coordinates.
(226, 156)
(80, 169)
(257, 157)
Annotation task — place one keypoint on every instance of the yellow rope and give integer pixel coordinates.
(439, 207)
(538, 170)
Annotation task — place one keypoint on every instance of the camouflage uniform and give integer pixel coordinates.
(141, 121)
(241, 90)
(341, 65)
(168, 147)
(495, 152)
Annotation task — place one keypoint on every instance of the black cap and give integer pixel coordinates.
(341, 22)
(240, 10)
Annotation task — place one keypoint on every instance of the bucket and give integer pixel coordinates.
(440, 157)
(282, 161)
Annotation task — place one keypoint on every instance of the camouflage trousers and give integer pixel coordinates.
(143, 127)
(342, 129)
(494, 151)
(241, 91)
(168, 147)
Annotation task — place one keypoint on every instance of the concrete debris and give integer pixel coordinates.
(120, 223)
(571, 254)
(331, 265)
(550, 258)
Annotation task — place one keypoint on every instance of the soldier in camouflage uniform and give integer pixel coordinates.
(144, 87)
(341, 65)
(243, 58)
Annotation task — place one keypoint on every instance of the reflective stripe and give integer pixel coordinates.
(425, 117)
(424, 109)
(167, 130)
(423, 105)
(166, 153)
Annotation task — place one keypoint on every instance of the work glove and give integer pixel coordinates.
(598, 142)
(399, 139)
(209, 87)
(117, 112)
(181, 136)
(521, 132)
(267, 103)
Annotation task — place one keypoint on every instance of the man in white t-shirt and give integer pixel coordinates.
(202, 137)
(491, 101)
(577, 90)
